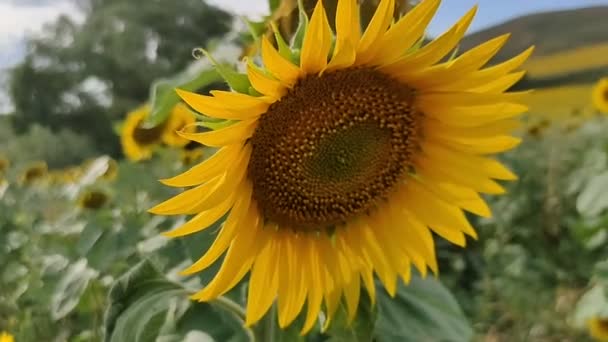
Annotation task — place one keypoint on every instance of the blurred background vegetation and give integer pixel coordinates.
(73, 209)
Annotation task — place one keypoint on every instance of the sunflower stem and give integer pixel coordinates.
(237, 310)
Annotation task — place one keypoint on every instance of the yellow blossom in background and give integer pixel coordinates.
(598, 328)
(192, 156)
(6, 337)
(111, 172)
(600, 95)
(34, 172)
(93, 199)
(137, 142)
(180, 119)
(4, 164)
(343, 167)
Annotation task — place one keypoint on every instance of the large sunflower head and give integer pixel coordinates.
(352, 150)
(139, 142)
(180, 119)
(600, 95)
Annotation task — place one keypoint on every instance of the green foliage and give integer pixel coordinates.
(424, 310)
(85, 76)
(58, 149)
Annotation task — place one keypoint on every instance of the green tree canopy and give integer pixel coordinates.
(82, 76)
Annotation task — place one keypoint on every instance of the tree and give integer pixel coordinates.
(83, 76)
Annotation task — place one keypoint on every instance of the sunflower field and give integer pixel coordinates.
(330, 172)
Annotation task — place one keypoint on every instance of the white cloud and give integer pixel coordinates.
(18, 21)
(254, 9)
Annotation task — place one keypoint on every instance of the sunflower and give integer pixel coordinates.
(600, 95)
(182, 119)
(4, 164)
(340, 168)
(189, 157)
(137, 142)
(93, 199)
(6, 337)
(34, 172)
(598, 328)
(111, 171)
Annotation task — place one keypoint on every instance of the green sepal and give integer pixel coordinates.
(284, 49)
(298, 37)
(256, 28)
(273, 5)
(237, 81)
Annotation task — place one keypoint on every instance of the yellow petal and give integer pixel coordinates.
(348, 25)
(233, 179)
(235, 133)
(184, 201)
(375, 31)
(344, 58)
(474, 115)
(468, 62)
(317, 42)
(263, 283)
(236, 263)
(475, 145)
(215, 165)
(432, 52)
(489, 74)
(402, 35)
(278, 66)
(500, 84)
(315, 290)
(434, 127)
(467, 163)
(242, 216)
(438, 170)
(239, 107)
(332, 302)
(438, 212)
(351, 293)
(462, 197)
(264, 84)
(202, 220)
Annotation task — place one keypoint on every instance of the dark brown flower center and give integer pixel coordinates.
(332, 148)
(148, 136)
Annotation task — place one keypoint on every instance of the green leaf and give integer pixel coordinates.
(593, 199)
(137, 302)
(163, 96)
(145, 306)
(70, 288)
(424, 310)
(360, 329)
(298, 37)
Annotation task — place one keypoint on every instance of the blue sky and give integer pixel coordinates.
(490, 11)
(21, 17)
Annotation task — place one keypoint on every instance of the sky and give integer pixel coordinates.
(19, 18)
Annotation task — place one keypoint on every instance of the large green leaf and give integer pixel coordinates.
(594, 197)
(145, 306)
(424, 310)
(70, 288)
(360, 329)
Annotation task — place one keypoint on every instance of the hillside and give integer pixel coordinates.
(550, 32)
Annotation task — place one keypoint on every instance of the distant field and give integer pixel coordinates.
(582, 58)
(560, 102)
